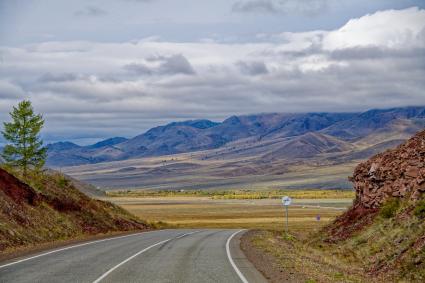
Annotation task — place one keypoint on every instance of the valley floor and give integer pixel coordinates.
(205, 212)
(191, 171)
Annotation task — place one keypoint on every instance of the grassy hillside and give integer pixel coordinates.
(381, 238)
(53, 209)
(391, 246)
(385, 228)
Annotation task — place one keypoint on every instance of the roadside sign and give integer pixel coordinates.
(286, 200)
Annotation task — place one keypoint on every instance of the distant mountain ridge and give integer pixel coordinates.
(109, 142)
(332, 132)
(369, 121)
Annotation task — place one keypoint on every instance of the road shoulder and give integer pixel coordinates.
(289, 259)
(242, 262)
(266, 263)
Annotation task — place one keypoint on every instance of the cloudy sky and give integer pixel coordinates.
(102, 68)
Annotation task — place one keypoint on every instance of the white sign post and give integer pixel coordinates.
(286, 201)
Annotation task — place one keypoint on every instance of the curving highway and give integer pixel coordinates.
(180, 255)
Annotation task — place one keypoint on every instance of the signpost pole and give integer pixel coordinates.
(287, 226)
(286, 201)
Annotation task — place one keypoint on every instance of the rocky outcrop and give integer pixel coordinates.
(398, 173)
(385, 227)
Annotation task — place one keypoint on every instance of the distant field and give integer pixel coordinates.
(237, 194)
(191, 171)
(202, 211)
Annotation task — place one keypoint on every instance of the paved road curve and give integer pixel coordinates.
(158, 256)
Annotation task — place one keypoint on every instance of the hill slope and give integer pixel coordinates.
(55, 211)
(385, 228)
(367, 128)
(381, 238)
(309, 145)
(382, 120)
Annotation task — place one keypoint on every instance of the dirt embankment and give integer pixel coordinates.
(53, 209)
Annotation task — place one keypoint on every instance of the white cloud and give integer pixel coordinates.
(252, 68)
(391, 29)
(10, 91)
(123, 88)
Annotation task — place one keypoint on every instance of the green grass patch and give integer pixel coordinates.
(238, 194)
(389, 209)
(419, 210)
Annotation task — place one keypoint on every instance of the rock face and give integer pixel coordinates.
(398, 173)
(387, 237)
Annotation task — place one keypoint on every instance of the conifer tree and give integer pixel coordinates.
(25, 148)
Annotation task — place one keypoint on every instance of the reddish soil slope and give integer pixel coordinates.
(56, 210)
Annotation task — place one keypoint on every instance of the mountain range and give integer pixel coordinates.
(277, 135)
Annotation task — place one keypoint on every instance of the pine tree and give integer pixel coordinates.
(25, 149)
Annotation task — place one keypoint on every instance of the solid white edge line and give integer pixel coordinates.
(75, 246)
(229, 256)
(104, 275)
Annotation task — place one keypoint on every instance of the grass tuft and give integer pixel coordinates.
(419, 210)
(389, 209)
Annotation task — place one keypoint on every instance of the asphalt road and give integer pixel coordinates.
(204, 255)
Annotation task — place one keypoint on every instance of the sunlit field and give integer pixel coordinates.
(214, 211)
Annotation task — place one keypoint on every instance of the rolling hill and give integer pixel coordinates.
(367, 123)
(195, 135)
(274, 151)
(309, 145)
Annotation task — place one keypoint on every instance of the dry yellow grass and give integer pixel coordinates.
(304, 263)
(191, 171)
(195, 212)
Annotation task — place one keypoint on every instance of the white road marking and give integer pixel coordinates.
(128, 259)
(229, 256)
(137, 254)
(187, 234)
(71, 247)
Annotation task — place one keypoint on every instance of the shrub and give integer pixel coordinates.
(419, 210)
(389, 209)
(61, 181)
